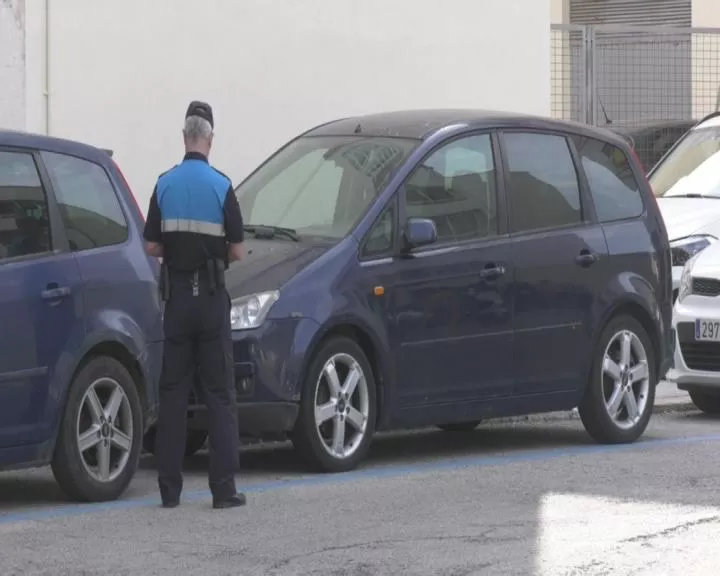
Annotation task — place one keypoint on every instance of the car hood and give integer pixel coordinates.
(707, 262)
(686, 216)
(268, 264)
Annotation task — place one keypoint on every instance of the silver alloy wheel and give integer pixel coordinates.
(626, 379)
(342, 406)
(105, 430)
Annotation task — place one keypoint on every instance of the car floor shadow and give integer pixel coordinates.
(15, 492)
(403, 448)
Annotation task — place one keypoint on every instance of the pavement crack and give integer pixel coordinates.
(485, 537)
(673, 530)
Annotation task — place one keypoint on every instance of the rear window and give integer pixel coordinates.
(613, 187)
(89, 206)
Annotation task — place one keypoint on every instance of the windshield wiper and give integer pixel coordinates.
(269, 232)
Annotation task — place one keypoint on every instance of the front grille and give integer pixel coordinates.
(697, 355)
(706, 286)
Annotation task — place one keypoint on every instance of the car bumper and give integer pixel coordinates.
(696, 363)
(268, 366)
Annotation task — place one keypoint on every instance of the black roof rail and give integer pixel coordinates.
(107, 151)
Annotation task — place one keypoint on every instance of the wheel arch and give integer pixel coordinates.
(369, 343)
(636, 310)
(112, 348)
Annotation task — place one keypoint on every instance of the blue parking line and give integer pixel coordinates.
(391, 471)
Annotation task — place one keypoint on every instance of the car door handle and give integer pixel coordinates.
(586, 258)
(53, 292)
(492, 271)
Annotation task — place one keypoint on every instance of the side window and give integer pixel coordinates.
(613, 187)
(89, 207)
(382, 235)
(24, 219)
(543, 189)
(455, 187)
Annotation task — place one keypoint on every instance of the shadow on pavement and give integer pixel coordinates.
(404, 448)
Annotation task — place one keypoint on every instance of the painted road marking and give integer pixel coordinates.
(593, 536)
(390, 471)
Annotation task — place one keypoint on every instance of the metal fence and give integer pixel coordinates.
(629, 76)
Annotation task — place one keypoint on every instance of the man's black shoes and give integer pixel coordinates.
(232, 502)
(170, 503)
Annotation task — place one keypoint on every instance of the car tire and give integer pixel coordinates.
(459, 426)
(353, 414)
(194, 441)
(599, 400)
(103, 412)
(705, 401)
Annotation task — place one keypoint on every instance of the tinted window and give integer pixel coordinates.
(455, 187)
(322, 186)
(543, 190)
(614, 190)
(88, 205)
(24, 221)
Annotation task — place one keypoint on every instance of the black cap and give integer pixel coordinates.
(201, 109)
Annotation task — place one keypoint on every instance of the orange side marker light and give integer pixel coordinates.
(379, 290)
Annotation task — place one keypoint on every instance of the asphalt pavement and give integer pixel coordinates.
(525, 497)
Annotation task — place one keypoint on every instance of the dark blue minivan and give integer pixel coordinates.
(441, 267)
(80, 316)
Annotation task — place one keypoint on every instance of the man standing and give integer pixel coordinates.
(194, 223)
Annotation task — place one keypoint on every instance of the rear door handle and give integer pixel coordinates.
(53, 292)
(586, 258)
(492, 271)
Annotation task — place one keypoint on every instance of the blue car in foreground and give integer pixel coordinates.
(441, 267)
(80, 316)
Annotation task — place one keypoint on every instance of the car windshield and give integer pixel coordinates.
(692, 169)
(321, 185)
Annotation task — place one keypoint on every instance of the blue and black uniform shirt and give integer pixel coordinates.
(193, 213)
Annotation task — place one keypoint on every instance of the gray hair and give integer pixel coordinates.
(197, 128)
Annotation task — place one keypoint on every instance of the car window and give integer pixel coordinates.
(543, 189)
(382, 234)
(614, 189)
(455, 187)
(698, 152)
(322, 185)
(89, 207)
(24, 219)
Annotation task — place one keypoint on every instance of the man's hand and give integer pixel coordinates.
(235, 251)
(154, 249)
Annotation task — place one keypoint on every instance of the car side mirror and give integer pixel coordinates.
(419, 232)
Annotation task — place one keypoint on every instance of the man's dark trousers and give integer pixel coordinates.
(197, 335)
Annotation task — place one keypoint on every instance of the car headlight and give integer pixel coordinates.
(685, 248)
(249, 311)
(685, 288)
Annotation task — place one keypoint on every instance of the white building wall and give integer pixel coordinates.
(122, 73)
(12, 64)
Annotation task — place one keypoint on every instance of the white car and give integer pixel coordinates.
(696, 326)
(686, 183)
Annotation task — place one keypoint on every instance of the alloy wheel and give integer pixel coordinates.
(342, 406)
(626, 379)
(104, 430)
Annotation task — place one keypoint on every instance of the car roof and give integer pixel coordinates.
(423, 123)
(20, 139)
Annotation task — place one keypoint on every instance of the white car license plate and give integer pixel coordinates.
(708, 330)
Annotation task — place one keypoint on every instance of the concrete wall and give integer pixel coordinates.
(12, 64)
(120, 74)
